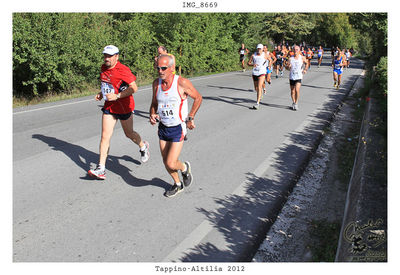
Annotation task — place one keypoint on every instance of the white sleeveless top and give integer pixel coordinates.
(172, 108)
(260, 61)
(296, 70)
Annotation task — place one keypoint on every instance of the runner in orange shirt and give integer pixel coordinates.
(309, 56)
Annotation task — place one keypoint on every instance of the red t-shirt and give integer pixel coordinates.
(119, 77)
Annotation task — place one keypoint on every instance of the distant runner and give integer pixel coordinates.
(309, 55)
(295, 65)
(348, 55)
(337, 65)
(161, 50)
(243, 51)
(278, 53)
(258, 61)
(268, 65)
(320, 55)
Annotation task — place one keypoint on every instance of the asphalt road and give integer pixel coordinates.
(244, 164)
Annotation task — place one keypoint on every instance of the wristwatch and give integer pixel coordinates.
(189, 118)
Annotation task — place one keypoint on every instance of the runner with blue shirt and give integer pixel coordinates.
(337, 65)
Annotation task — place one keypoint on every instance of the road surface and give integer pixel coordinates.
(244, 163)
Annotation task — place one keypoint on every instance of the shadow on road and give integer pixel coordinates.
(242, 102)
(238, 101)
(231, 88)
(83, 158)
(244, 220)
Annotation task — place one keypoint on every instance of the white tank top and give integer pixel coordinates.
(260, 61)
(172, 108)
(296, 71)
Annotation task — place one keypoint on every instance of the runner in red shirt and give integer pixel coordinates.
(117, 86)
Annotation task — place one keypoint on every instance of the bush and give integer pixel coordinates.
(57, 52)
(381, 74)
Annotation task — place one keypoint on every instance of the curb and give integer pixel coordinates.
(362, 238)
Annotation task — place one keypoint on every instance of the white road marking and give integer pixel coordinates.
(86, 100)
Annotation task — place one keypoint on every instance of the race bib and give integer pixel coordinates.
(338, 65)
(107, 88)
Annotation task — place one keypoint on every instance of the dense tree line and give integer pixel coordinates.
(61, 52)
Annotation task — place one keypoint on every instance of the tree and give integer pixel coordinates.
(291, 27)
(374, 26)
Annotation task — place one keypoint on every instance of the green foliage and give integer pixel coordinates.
(326, 236)
(334, 29)
(291, 27)
(56, 52)
(373, 28)
(381, 74)
(136, 44)
(61, 52)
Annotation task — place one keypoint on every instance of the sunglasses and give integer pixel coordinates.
(162, 68)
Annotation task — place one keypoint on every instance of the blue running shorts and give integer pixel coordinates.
(172, 134)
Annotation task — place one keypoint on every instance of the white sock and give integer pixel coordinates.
(143, 148)
(178, 183)
(185, 169)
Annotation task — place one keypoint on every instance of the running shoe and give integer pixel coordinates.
(187, 176)
(276, 76)
(175, 189)
(337, 87)
(145, 154)
(296, 107)
(334, 84)
(97, 173)
(255, 107)
(293, 107)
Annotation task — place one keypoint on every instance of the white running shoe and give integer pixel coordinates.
(145, 155)
(97, 173)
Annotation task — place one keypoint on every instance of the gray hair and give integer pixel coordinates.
(171, 60)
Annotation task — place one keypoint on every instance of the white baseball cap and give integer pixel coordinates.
(260, 46)
(111, 50)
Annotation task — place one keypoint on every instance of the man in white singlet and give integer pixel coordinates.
(169, 107)
(295, 65)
